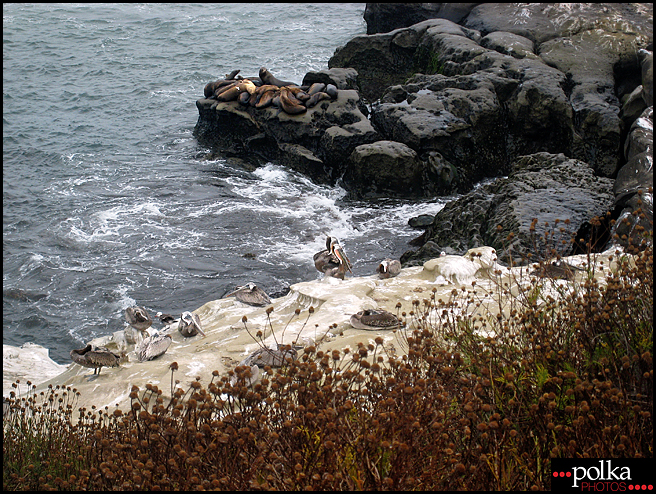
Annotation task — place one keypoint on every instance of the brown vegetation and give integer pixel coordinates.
(568, 376)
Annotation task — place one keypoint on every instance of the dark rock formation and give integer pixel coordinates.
(385, 17)
(633, 187)
(542, 186)
(315, 143)
(547, 94)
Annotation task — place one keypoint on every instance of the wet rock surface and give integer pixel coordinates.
(446, 95)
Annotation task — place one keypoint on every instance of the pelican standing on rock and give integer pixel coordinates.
(333, 260)
(138, 318)
(388, 268)
(374, 319)
(153, 347)
(95, 358)
(189, 324)
(250, 294)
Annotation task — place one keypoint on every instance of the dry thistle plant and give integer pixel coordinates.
(478, 400)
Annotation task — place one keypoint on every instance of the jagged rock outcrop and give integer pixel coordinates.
(472, 91)
(315, 143)
(385, 17)
(544, 186)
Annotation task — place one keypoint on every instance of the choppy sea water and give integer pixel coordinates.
(108, 199)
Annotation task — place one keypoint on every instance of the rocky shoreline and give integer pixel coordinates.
(557, 111)
(557, 107)
(325, 307)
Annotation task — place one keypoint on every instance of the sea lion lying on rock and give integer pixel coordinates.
(289, 103)
(268, 78)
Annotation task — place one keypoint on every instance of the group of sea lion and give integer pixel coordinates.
(267, 90)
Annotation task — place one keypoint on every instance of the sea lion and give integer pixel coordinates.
(267, 98)
(298, 93)
(244, 98)
(289, 103)
(315, 98)
(232, 74)
(212, 87)
(317, 87)
(268, 78)
(259, 92)
(209, 89)
(234, 91)
(331, 89)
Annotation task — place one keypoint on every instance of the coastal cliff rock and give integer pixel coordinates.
(446, 95)
(231, 328)
(314, 143)
(543, 186)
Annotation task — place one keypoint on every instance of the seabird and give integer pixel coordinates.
(333, 260)
(153, 346)
(374, 319)
(95, 358)
(269, 356)
(250, 294)
(557, 270)
(388, 268)
(138, 318)
(189, 324)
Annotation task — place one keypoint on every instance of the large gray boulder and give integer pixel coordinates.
(385, 168)
(554, 74)
(543, 187)
(634, 184)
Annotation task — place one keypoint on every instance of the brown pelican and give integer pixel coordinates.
(138, 318)
(165, 319)
(189, 324)
(461, 270)
(333, 260)
(153, 346)
(374, 319)
(557, 270)
(269, 356)
(250, 294)
(95, 358)
(388, 268)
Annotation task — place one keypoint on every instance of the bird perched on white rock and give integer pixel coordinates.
(189, 324)
(388, 268)
(153, 346)
(96, 357)
(374, 319)
(461, 270)
(333, 260)
(250, 294)
(138, 318)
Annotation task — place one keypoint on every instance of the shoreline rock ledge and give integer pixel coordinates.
(437, 98)
(228, 342)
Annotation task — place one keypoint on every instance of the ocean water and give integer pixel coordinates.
(108, 199)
